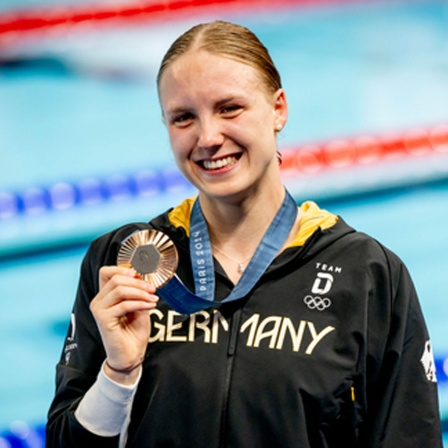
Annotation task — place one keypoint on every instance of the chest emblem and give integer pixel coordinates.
(318, 299)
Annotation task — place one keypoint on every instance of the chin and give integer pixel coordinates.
(225, 194)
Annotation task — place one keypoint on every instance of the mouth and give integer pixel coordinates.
(218, 164)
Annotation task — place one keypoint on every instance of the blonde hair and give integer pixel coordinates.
(229, 40)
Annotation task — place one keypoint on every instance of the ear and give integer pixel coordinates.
(280, 110)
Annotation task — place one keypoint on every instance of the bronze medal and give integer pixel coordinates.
(151, 254)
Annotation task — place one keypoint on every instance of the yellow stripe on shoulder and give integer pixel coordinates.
(311, 218)
(180, 215)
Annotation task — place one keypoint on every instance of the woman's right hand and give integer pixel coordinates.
(121, 310)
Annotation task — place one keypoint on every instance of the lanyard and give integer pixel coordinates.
(184, 301)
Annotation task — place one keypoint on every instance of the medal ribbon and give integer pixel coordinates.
(184, 301)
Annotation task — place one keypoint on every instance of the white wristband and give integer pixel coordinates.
(105, 407)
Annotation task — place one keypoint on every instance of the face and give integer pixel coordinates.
(222, 124)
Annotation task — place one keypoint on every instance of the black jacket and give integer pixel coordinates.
(327, 350)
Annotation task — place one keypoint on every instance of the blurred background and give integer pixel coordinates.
(83, 149)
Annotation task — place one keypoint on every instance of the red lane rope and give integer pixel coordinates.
(19, 22)
(365, 150)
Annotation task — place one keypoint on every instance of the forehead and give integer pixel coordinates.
(201, 71)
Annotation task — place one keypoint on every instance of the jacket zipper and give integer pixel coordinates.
(234, 330)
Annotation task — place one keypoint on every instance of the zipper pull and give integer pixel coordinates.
(352, 389)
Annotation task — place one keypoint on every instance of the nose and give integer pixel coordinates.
(210, 134)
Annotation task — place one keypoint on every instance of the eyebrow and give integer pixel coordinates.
(228, 99)
(219, 103)
(176, 111)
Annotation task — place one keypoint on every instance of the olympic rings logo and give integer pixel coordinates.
(317, 303)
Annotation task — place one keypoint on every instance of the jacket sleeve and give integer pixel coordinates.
(404, 409)
(78, 368)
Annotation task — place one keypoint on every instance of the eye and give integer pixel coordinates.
(182, 120)
(231, 110)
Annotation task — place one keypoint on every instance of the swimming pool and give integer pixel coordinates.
(350, 69)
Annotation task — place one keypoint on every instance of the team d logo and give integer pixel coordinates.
(322, 285)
